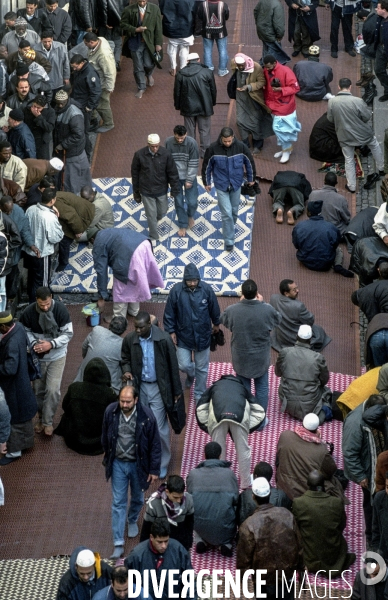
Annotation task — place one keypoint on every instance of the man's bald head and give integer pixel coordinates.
(316, 481)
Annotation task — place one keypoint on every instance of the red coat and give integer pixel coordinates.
(281, 103)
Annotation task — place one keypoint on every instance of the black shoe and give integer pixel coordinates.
(371, 181)
(334, 54)
(383, 98)
(201, 548)
(118, 68)
(305, 55)
(229, 248)
(351, 52)
(296, 53)
(349, 190)
(344, 272)
(225, 551)
(382, 173)
(7, 460)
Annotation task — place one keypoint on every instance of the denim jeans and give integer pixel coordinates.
(191, 197)
(3, 296)
(48, 389)
(378, 344)
(124, 474)
(228, 203)
(197, 369)
(222, 45)
(261, 389)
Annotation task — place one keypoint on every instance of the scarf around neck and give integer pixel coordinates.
(308, 436)
(172, 509)
(47, 321)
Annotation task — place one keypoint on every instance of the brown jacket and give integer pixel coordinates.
(270, 539)
(13, 60)
(36, 170)
(10, 188)
(75, 213)
(257, 80)
(295, 458)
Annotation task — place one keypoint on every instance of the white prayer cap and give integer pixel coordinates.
(85, 558)
(311, 422)
(56, 164)
(153, 138)
(261, 488)
(305, 332)
(239, 60)
(193, 56)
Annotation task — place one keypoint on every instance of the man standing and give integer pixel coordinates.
(12, 167)
(87, 575)
(49, 330)
(270, 27)
(101, 57)
(153, 169)
(35, 17)
(225, 161)
(313, 77)
(20, 136)
(16, 385)
(350, 116)
(228, 407)
(161, 554)
(86, 92)
(321, 520)
(304, 375)
(178, 27)
(69, 143)
(149, 358)
(46, 232)
(40, 118)
(251, 321)
(214, 488)
(56, 53)
(294, 313)
(135, 272)
(303, 28)
(12, 39)
(252, 115)
(195, 95)
(184, 150)
(279, 94)
(59, 20)
(131, 444)
(141, 22)
(270, 539)
(342, 12)
(335, 207)
(22, 96)
(380, 40)
(190, 311)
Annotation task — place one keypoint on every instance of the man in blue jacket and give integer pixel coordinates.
(132, 454)
(317, 242)
(87, 575)
(225, 161)
(20, 136)
(191, 309)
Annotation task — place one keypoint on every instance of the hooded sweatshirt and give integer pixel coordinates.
(72, 588)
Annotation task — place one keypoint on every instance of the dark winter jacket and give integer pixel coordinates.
(334, 208)
(39, 22)
(195, 91)
(190, 314)
(60, 23)
(72, 588)
(20, 219)
(214, 488)
(148, 448)
(379, 322)
(226, 165)
(358, 446)
(270, 22)
(14, 241)
(313, 78)
(366, 253)
(380, 35)
(316, 241)
(75, 213)
(178, 18)
(114, 248)
(86, 87)
(372, 299)
(213, 16)
(41, 128)
(291, 179)
(309, 19)
(14, 378)
(15, 102)
(361, 225)
(166, 363)
(108, 12)
(323, 141)
(370, 35)
(82, 14)
(38, 86)
(5, 419)
(69, 130)
(84, 406)
(14, 59)
(228, 400)
(175, 557)
(247, 506)
(380, 524)
(153, 173)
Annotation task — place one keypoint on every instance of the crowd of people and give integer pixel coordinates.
(58, 68)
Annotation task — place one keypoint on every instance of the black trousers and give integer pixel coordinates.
(12, 282)
(368, 512)
(64, 253)
(88, 144)
(38, 274)
(347, 21)
(381, 64)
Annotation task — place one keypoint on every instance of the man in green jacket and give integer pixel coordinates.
(142, 23)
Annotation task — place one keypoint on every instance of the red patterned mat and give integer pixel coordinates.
(263, 446)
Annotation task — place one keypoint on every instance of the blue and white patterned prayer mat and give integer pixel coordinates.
(203, 244)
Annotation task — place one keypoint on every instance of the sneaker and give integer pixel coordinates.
(201, 548)
(223, 73)
(117, 552)
(133, 531)
(334, 54)
(225, 550)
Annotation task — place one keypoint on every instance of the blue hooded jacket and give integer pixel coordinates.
(316, 241)
(190, 313)
(72, 588)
